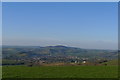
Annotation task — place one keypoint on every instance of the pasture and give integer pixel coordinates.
(60, 72)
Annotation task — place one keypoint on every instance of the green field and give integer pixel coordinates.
(60, 72)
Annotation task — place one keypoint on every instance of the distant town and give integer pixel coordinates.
(56, 55)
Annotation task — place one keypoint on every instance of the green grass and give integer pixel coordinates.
(112, 62)
(60, 72)
(0, 71)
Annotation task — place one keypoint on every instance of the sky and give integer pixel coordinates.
(60, 0)
(0, 24)
(91, 25)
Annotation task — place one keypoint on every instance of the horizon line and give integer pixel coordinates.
(56, 45)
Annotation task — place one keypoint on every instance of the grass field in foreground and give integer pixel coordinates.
(60, 72)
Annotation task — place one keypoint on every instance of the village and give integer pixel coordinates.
(54, 60)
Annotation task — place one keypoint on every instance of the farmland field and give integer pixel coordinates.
(60, 72)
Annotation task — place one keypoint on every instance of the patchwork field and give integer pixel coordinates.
(60, 72)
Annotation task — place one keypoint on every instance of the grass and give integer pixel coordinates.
(60, 72)
(112, 62)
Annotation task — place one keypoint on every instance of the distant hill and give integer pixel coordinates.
(59, 50)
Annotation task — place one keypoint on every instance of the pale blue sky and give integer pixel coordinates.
(85, 25)
(60, 0)
(0, 23)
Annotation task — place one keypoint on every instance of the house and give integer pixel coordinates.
(84, 61)
(74, 61)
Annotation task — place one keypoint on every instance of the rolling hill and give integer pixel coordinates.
(59, 50)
